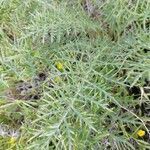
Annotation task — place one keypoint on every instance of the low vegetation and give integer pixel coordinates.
(75, 75)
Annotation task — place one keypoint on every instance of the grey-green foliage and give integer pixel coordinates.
(75, 114)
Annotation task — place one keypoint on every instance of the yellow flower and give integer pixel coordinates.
(59, 65)
(57, 79)
(12, 141)
(141, 133)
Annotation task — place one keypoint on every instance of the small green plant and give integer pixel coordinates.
(74, 75)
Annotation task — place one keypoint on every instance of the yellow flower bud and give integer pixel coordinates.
(141, 133)
(59, 66)
(57, 79)
(12, 141)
